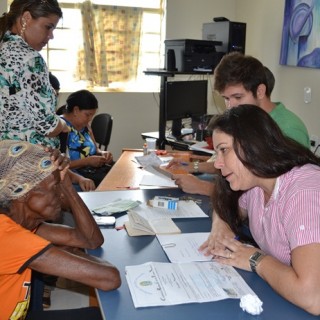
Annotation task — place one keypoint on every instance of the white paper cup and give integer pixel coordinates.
(151, 144)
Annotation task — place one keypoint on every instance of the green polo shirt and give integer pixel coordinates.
(290, 124)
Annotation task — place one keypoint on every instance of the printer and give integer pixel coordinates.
(232, 34)
(194, 55)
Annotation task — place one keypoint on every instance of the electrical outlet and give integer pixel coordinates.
(307, 94)
(314, 142)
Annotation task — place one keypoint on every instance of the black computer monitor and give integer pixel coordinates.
(184, 99)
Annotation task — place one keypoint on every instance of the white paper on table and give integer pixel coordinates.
(201, 146)
(118, 205)
(155, 180)
(165, 159)
(184, 247)
(186, 209)
(160, 284)
(149, 160)
(153, 160)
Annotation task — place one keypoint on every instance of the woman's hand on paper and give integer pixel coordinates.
(219, 230)
(235, 253)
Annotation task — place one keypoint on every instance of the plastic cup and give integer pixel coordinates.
(151, 144)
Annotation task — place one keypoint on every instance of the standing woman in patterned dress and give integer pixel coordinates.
(28, 101)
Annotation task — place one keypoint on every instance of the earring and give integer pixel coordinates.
(23, 28)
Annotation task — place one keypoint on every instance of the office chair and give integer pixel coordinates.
(101, 126)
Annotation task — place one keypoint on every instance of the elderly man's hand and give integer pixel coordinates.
(61, 161)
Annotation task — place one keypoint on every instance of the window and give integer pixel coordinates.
(105, 45)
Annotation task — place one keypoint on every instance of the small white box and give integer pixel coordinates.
(165, 202)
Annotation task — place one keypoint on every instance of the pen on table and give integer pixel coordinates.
(139, 167)
(128, 188)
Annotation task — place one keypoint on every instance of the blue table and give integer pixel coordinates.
(122, 250)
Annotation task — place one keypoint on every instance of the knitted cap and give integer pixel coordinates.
(22, 167)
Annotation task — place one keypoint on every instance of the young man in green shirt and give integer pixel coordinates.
(242, 79)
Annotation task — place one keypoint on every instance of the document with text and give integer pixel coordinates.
(184, 247)
(161, 284)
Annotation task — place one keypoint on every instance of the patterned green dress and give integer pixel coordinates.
(27, 100)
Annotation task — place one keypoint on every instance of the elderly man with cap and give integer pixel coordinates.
(31, 187)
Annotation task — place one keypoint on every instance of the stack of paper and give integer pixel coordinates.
(160, 176)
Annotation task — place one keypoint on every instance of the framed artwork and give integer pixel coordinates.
(300, 44)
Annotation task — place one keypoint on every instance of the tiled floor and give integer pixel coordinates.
(69, 295)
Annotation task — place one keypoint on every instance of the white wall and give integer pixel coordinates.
(185, 17)
(3, 7)
(264, 20)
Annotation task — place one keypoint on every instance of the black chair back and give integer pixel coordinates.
(101, 126)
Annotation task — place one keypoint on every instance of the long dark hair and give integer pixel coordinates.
(262, 148)
(37, 9)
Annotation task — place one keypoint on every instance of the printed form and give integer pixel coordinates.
(161, 284)
(192, 278)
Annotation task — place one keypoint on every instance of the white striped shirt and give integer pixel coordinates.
(291, 218)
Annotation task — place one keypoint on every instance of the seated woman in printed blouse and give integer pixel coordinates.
(86, 158)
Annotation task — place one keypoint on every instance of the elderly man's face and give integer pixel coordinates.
(43, 203)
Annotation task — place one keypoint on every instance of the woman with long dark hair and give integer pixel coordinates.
(272, 181)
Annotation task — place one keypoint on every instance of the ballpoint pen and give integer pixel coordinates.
(128, 188)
